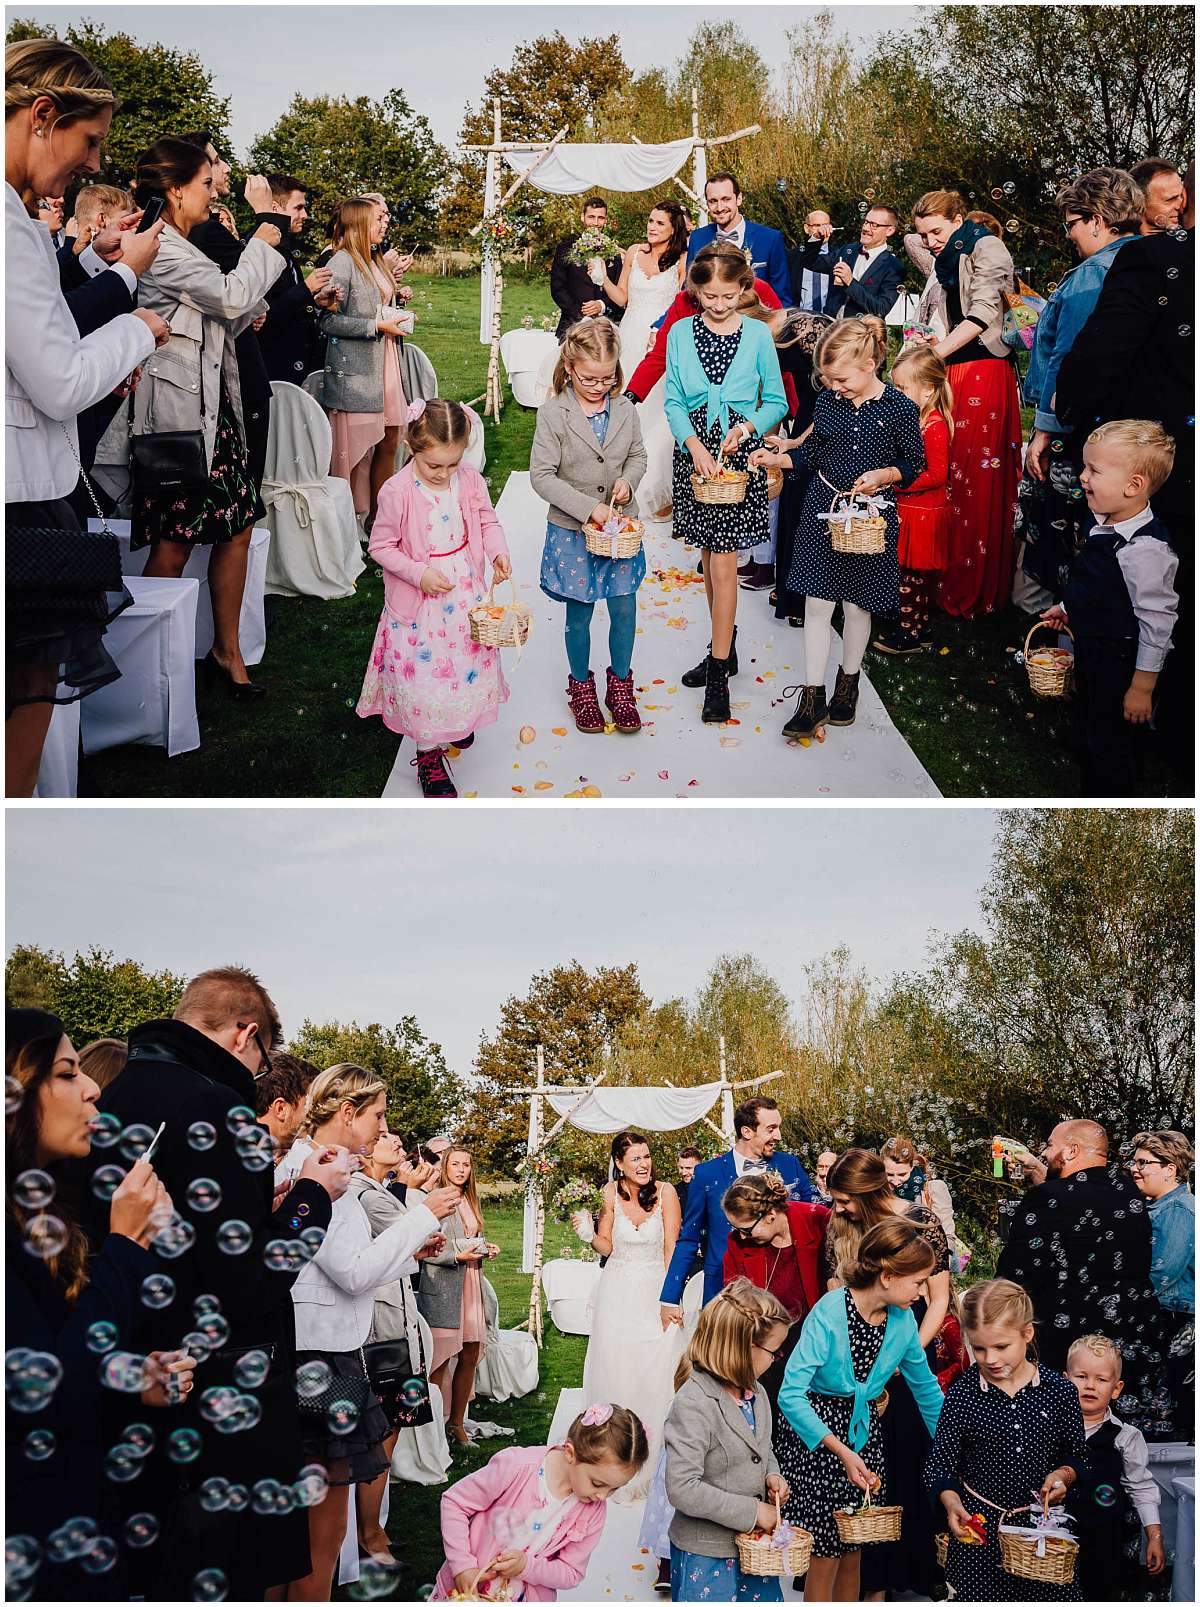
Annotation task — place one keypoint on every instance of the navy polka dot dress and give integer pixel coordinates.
(718, 527)
(846, 441)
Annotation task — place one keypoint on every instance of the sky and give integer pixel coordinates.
(374, 914)
(260, 56)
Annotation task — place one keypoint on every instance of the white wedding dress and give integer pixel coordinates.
(649, 298)
(630, 1360)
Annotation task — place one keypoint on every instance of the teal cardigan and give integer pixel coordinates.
(821, 1363)
(753, 385)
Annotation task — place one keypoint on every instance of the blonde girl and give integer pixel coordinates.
(587, 462)
(721, 1474)
(1004, 1401)
(924, 505)
(865, 437)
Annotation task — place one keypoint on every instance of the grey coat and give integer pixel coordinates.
(395, 1303)
(568, 467)
(207, 310)
(442, 1277)
(716, 1467)
(354, 348)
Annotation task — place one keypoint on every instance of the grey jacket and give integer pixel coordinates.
(568, 467)
(395, 1314)
(442, 1277)
(354, 347)
(717, 1467)
(206, 309)
(984, 274)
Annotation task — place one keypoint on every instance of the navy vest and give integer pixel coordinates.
(1096, 596)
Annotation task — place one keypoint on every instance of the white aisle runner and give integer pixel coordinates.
(674, 756)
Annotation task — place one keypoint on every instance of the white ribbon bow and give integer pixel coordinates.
(857, 506)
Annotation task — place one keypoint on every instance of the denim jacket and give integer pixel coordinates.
(1064, 315)
(1173, 1246)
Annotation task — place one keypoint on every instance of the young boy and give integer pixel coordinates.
(1120, 601)
(1117, 1459)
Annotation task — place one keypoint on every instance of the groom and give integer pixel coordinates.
(763, 246)
(572, 289)
(757, 1124)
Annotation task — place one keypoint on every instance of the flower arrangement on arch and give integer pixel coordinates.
(503, 233)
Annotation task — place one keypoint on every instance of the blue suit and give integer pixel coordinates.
(704, 1214)
(875, 292)
(768, 255)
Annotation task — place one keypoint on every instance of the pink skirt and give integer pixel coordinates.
(472, 1325)
(356, 435)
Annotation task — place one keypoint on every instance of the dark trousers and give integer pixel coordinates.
(1112, 749)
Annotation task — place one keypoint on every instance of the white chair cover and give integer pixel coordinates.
(315, 549)
(570, 1287)
(529, 357)
(508, 1367)
(475, 454)
(58, 773)
(154, 646)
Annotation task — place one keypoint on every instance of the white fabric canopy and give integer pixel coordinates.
(572, 169)
(655, 1110)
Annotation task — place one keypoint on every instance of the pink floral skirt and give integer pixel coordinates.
(427, 679)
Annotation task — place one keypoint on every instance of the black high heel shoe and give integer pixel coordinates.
(239, 691)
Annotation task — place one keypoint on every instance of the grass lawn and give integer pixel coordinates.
(414, 1519)
(964, 709)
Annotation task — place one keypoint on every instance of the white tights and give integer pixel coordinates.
(818, 634)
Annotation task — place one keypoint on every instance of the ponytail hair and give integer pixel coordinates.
(596, 338)
(898, 1248)
(998, 1303)
(927, 369)
(741, 1317)
(609, 1433)
(855, 340)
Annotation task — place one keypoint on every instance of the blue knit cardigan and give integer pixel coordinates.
(753, 385)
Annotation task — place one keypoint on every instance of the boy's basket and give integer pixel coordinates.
(730, 489)
(1049, 668)
(495, 625)
(856, 524)
(941, 1546)
(762, 1554)
(619, 543)
(869, 1524)
(774, 482)
(1042, 1555)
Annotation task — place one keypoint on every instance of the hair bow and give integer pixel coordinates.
(597, 1414)
(415, 409)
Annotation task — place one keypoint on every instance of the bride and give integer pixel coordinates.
(630, 1359)
(651, 278)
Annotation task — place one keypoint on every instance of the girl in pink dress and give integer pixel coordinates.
(434, 532)
(524, 1525)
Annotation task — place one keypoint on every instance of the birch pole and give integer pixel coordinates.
(699, 159)
(534, 1183)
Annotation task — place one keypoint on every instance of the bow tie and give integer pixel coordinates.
(754, 1166)
(863, 252)
(731, 235)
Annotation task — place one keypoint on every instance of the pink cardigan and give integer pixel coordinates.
(510, 1481)
(400, 537)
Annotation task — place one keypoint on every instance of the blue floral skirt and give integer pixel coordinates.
(695, 1578)
(572, 574)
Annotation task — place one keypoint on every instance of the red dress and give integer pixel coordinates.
(985, 467)
(924, 506)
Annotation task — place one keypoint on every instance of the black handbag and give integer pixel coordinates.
(169, 460)
(69, 572)
(353, 1389)
(390, 1367)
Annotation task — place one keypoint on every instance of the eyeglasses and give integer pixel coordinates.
(1069, 224)
(746, 1235)
(265, 1067)
(871, 223)
(1138, 1165)
(767, 1349)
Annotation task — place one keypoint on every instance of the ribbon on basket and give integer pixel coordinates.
(851, 505)
(1045, 1522)
(612, 528)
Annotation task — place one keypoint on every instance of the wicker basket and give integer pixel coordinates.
(863, 535)
(1050, 673)
(495, 626)
(756, 1554)
(869, 1524)
(622, 545)
(774, 483)
(721, 491)
(1019, 1556)
(941, 1547)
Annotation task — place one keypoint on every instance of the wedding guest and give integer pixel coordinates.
(572, 288)
(1101, 212)
(724, 392)
(363, 391)
(825, 1160)
(974, 270)
(289, 339)
(55, 1296)
(1163, 197)
(57, 113)
(451, 1294)
(864, 277)
(686, 1163)
(910, 1177)
(762, 247)
(808, 287)
(195, 386)
(280, 1096)
(1160, 1166)
(586, 464)
(50, 213)
(103, 1060)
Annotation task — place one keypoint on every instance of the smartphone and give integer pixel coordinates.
(154, 210)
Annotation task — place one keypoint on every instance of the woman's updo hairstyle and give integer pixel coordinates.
(442, 423)
(620, 1437)
(647, 1195)
(998, 1303)
(947, 204)
(754, 1196)
(168, 161)
(855, 340)
(903, 1152)
(340, 1085)
(34, 68)
(720, 263)
(897, 1248)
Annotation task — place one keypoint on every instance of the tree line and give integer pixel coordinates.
(1003, 103)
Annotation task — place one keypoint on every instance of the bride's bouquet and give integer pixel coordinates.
(592, 250)
(576, 1202)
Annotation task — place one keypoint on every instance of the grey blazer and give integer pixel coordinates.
(984, 274)
(353, 345)
(440, 1293)
(395, 1315)
(568, 467)
(716, 1467)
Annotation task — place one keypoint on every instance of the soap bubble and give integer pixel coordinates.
(1105, 1495)
(1009, 187)
(234, 1237)
(214, 1493)
(245, 1412)
(205, 1306)
(100, 1557)
(158, 1291)
(279, 1255)
(1172, 273)
(203, 1194)
(135, 1141)
(196, 1346)
(106, 1180)
(22, 1554)
(101, 1336)
(375, 1581)
(239, 1119)
(862, 207)
(39, 1444)
(139, 1437)
(106, 1130)
(342, 1417)
(141, 1529)
(14, 1093)
(175, 1238)
(33, 1190)
(254, 1147)
(122, 1463)
(997, 194)
(264, 1497)
(210, 1584)
(217, 1402)
(30, 1378)
(184, 1445)
(45, 1236)
(312, 1239)
(213, 1329)
(125, 1371)
(71, 1539)
(312, 1486)
(1185, 330)
(252, 1368)
(237, 1498)
(1013, 226)
(201, 1135)
(312, 1379)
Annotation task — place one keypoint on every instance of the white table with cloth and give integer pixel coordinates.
(153, 644)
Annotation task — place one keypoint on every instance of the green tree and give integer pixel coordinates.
(162, 91)
(99, 996)
(340, 147)
(32, 977)
(423, 1093)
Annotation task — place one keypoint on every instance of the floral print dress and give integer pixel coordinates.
(427, 679)
(217, 511)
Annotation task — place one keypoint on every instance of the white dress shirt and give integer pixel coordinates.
(93, 263)
(861, 263)
(749, 1163)
(1148, 567)
(1139, 1483)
